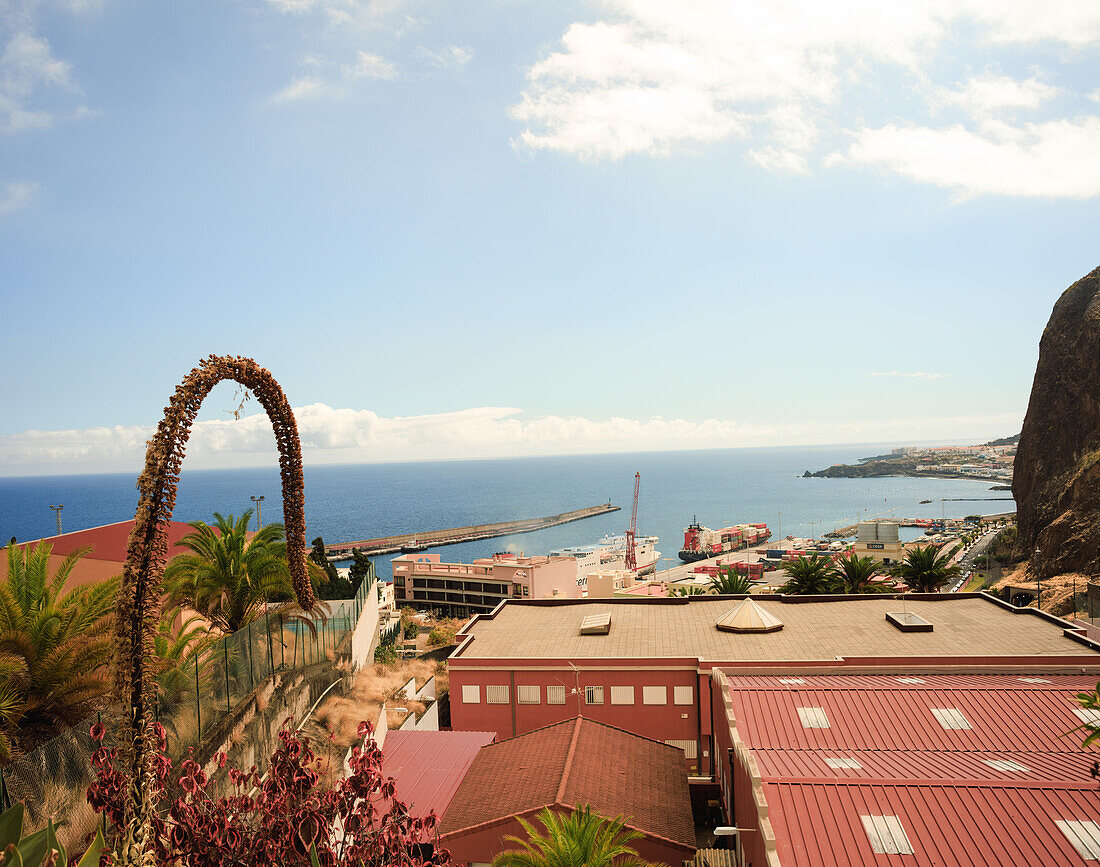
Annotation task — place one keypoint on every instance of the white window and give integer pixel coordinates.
(555, 695)
(471, 693)
(653, 695)
(496, 694)
(886, 835)
(689, 747)
(950, 718)
(683, 695)
(1005, 765)
(838, 762)
(529, 694)
(622, 695)
(813, 718)
(1088, 715)
(593, 695)
(1084, 835)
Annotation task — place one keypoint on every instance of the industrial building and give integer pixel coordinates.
(879, 540)
(645, 665)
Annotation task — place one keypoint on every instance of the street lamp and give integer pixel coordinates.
(259, 511)
(812, 525)
(57, 514)
(1038, 588)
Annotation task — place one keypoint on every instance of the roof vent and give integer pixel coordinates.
(887, 836)
(907, 621)
(747, 616)
(596, 624)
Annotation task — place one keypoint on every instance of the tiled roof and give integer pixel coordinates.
(572, 763)
(428, 767)
(879, 712)
(109, 541)
(965, 625)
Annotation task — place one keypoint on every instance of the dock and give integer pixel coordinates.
(436, 538)
(850, 530)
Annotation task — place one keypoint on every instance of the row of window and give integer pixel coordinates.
(532, 694)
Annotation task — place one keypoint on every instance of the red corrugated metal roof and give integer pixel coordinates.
(878, 712)
(940, 765)
(819, 824)
(570, 764)
(428, 767)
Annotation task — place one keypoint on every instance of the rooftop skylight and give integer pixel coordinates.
(951, 718)
(912, 680)
(813, 718)
(907, 621)
(1084, 835)
(1006, 765)
(1034, 680)
(887, 836)
(791, 680)
(1088, 715)
(839, 762)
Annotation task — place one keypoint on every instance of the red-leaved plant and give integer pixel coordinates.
(275, 819)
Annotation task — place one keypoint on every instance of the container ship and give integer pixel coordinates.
(701, 542)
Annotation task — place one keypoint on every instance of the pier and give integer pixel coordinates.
(436, 538)
(850, 530)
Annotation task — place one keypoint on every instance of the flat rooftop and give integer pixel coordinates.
(818, 629)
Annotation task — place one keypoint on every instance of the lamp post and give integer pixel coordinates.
(57, 514)
(1038, 588)
(259, 511)
(812, 525)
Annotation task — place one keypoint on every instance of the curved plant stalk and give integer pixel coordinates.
(140, 595)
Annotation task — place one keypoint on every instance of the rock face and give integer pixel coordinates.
(1056, 481)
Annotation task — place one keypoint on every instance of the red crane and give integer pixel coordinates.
(631, 560)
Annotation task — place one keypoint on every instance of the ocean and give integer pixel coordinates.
(346, 503)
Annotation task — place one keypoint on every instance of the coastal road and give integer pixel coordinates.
(966, 561)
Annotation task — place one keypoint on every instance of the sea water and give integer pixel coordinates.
(346, 503)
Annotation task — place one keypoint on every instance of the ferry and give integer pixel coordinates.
(610, 553)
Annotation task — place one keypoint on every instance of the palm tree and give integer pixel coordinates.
(54, 645)
(686, 590)
(578, 839)
(857, 574)
(727, 581)
(229, 578)
(808, 576)
(925, 570)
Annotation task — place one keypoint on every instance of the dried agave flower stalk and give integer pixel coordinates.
(140, 594)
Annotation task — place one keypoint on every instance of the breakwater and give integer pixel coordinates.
(436, 538)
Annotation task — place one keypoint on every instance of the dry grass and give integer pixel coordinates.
(1058, 591)
(371, 686)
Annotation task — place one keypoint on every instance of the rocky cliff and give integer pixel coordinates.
(1056, 481)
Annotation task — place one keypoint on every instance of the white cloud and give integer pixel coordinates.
(653, 78)
(327, 80)
(16, 195)
(452, 58)
(345, 436)
(989, 93)
(915, 375)
(29, 74)
(1057, 158)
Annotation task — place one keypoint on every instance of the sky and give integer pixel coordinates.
(502, 227)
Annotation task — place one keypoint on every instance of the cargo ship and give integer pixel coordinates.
(702, 542)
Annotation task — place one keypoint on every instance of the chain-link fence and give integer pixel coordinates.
(204, 685)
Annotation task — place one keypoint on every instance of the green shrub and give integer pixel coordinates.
(385, 654)
(33, 850)
(412, 629)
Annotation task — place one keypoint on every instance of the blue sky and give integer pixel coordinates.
(510, 227)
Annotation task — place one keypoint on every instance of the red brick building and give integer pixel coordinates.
(646, 665)
(564, 766)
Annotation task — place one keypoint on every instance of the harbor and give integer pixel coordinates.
(437, 538)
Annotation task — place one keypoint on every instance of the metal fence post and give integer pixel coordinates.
(270, 646)
(251, 671)
(198, 706)
(225, 663)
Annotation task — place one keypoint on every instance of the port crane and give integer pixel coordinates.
(631, 560)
